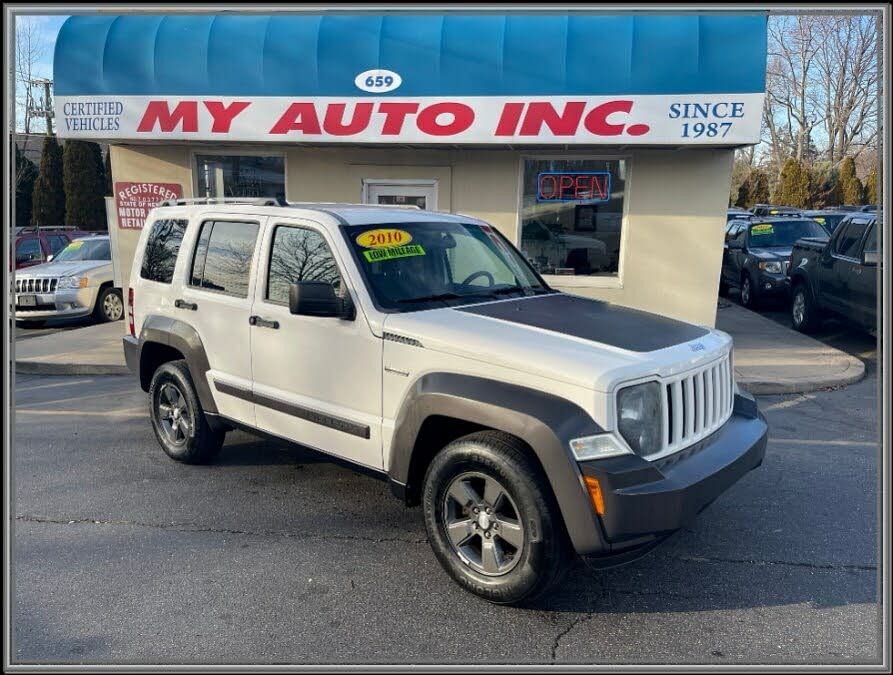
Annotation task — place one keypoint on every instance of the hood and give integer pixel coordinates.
(772, 253)
(61, 269)
(577, 340)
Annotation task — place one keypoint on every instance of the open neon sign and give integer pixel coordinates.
(583, 186)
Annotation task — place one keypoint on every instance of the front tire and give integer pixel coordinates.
(109, 305)
(177, 418)
(492, 520)
(748, 293)
(804, 313)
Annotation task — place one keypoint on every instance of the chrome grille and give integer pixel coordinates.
(695, 404)
(42, 285)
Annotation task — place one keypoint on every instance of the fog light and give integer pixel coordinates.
(595, 494)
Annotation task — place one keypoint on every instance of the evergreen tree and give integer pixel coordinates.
(107, 171)
(793, 187)
(759, 191)
(84, 185)
(871, 186)
(26, 174)
(850, 185)
(49, 194)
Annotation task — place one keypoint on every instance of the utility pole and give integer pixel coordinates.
(45, 107)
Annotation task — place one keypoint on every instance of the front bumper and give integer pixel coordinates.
(73, 302)
(769, 285)
(647, 501)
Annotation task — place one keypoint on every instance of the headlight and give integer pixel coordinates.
(72, 282)
(639, 417)
(773, 267)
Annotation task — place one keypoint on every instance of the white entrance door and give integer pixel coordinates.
(401, 193)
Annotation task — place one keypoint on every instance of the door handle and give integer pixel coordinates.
(182, 304)
(262, 323)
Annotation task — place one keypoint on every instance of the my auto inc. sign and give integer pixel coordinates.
(707, 119)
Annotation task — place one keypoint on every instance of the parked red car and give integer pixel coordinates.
(33, 247)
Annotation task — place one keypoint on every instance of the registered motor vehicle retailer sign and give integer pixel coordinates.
(133, 201)
(690, 119)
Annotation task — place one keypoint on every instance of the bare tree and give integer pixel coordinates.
(847, 84)
(30, 47)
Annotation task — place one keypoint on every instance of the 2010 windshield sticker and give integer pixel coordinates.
(392, 252)
(383, 238)
(765, 228)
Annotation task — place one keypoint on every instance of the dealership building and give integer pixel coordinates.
(600, 143)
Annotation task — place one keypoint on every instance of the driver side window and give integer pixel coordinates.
(299, 254)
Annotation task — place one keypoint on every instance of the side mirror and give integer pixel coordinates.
(735, 245)
(870, 258)
(50, 257)
(317, 298)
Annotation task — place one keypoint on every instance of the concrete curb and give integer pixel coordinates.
(851, 375)
(41, 368)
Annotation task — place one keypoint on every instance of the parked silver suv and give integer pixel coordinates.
(78, 281)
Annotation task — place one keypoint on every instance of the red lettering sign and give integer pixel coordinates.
(133, 201)
(587, 186)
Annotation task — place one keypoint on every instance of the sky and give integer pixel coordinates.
(48, 27)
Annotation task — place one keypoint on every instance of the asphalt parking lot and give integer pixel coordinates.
(273, 556)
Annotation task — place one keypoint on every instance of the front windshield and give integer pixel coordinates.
(411, 266)
(85, 249)
(783, 233)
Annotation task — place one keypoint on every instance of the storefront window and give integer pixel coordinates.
(240, 176)
(572, 215)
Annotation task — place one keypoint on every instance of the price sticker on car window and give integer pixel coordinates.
(75, 245)
(383, 238)
(763, 228)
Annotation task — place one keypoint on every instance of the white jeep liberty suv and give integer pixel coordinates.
(423, 348)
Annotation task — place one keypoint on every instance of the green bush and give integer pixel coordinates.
(26, 174)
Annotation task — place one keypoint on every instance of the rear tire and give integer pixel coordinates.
(177, 418)
(515, 551)
(804, 313)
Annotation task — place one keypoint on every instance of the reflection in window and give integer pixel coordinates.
(240, 176)
(299, 254)
(571, 215)
(222, 260)
(160, 256)
(29, 249)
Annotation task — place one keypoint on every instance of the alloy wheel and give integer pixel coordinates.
(798, 308)
(173, 414)
(745, 291)
(112, 307)
(483, 524)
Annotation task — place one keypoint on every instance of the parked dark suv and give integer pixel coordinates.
(756, 254)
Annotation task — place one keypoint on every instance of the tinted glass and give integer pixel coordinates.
(28, 249)
(162, 247)
(572, 215)
(412, 266)
(298, 254)
(871, 239)
(227, 257)
(85, 249)
(783, 233)
(848, 241)
(57, 242)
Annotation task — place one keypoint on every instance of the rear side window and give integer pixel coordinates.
(850, 236)
(223, 253)
(57, 242)
(162, 247)
(871, 239)
(28, 249)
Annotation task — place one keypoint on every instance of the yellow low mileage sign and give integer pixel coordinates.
(383, 238)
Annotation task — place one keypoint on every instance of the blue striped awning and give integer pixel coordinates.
(436, 55)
